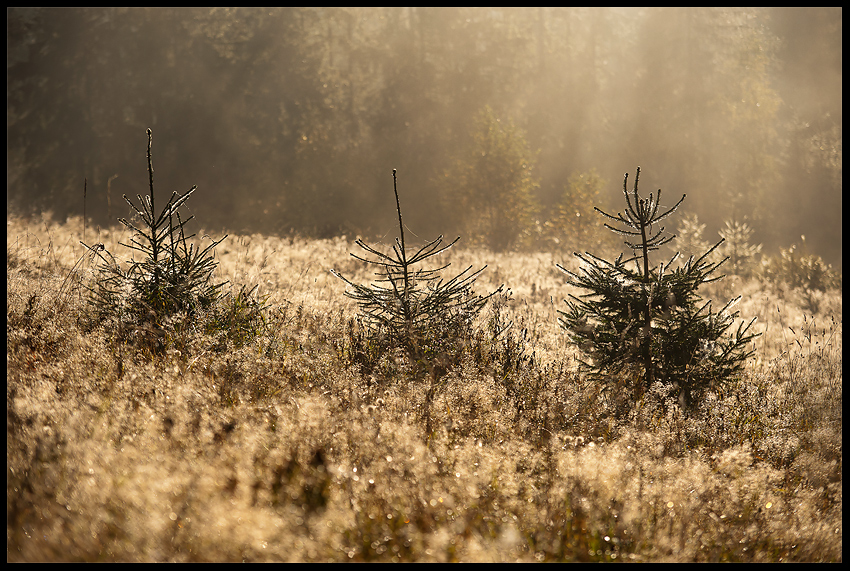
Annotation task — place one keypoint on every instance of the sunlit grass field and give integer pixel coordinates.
(286, 449)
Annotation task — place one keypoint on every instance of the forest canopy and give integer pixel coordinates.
(291, 119)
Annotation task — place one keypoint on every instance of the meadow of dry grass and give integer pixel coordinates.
(286, 449)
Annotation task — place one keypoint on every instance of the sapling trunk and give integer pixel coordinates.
(405, 299)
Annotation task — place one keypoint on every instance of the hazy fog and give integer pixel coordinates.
(293, 119)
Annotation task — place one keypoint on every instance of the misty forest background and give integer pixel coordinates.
(291, 120)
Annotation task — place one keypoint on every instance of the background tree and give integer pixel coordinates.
(574, 224)
(492, 186)
(810, 55)
(288, 114)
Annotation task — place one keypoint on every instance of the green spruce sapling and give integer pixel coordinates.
(414, 308)
(648, 323)
(171, 277)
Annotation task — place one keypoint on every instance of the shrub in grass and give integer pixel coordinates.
(743, 256)
(796, 269)
(736, 246)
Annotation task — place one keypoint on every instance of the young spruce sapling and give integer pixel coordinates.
(648, 323)
(413, 308)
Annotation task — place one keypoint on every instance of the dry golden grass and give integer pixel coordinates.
(282, 450)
